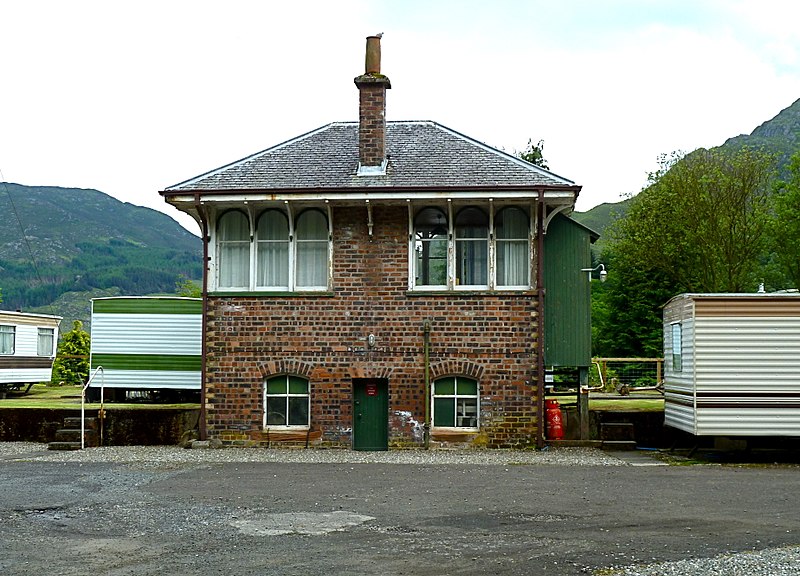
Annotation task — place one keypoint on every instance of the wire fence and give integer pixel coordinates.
(626, 375)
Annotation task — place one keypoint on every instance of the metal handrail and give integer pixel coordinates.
(83, 403)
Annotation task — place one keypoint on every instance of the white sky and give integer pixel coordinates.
(131, 97)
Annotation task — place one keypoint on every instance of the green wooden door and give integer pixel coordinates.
(370, 414)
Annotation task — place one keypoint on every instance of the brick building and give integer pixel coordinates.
(373, 284)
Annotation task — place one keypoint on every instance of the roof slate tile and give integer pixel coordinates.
(420, 154)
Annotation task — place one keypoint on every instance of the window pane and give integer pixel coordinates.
(7, 339)
(234, 250)
(472, 262)
(273, 263)
(312, 225)
(298, 411)
(445, 386)
(430, 247)
(444, 412)
(272, 250)
(234, 226)
(276, 385)
(513, 263)
(467, 412)
(298, 385)
(472, 223)
(677, 348)
(44, 345)
(273, 225)
(467, 386)
(472, 247)
(312, 250)
(312, 264)
(430, 266)
(276, 411)
(511, 224)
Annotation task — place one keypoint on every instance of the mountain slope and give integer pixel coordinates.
(78, 240)
(779, 136)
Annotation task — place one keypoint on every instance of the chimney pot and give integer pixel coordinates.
(373, 59)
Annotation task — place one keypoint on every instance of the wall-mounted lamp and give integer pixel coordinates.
(603, 273)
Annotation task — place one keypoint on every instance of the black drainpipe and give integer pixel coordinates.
(540, 319)
(204, 233)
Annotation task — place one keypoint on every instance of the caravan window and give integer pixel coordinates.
(7, 334)
(677, 351)
(44, 346)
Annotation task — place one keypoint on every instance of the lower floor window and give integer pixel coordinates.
(455, 402)
(286, 401)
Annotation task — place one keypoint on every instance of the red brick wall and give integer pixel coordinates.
(486, 336)
(372, 123)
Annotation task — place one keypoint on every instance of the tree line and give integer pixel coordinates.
(710, 221)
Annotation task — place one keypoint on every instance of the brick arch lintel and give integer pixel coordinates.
(362, 370)
(456, 367)
(285, 366)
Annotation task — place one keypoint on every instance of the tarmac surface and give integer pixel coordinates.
(207, 515)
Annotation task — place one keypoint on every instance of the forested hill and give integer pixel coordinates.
(84, 241)
(779, 136)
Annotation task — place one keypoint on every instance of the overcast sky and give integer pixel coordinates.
(132, 97)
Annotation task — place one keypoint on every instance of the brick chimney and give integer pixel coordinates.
(372, 87)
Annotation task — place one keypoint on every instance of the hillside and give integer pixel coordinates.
(779, 136)
(86, 242)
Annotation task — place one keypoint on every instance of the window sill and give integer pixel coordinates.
(478, 292)
(286, 429)
(268, 294)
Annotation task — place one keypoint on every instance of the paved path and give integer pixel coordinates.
(168, 515)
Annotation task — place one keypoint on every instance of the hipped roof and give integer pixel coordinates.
(421, 155)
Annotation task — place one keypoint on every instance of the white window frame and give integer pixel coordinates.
(288, 396)
(257, 244)
(458, 283)
(456, 397)
(677, 347)
(7, 330)
(253, 285)
(492, 210)
(218, 249)
(45, 336)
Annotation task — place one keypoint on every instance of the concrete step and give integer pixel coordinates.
(64, 446)
(75, 422)
(74, 435)
(614, 445)
(617, 431)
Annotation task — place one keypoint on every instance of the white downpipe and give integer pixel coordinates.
(83, 400)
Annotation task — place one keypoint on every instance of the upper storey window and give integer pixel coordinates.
(512, 248)
(284, 253)
(431, 231)
(477, 249)
(233, 234)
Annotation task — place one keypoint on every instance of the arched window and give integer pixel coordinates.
(272, 250)
(311, 262)
(233, 250)
(455, 402)
(430, 247)
(472, 247)
(286, 402)
(512, 247)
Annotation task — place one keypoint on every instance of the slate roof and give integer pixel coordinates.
(420, 155)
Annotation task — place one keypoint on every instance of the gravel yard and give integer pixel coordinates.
(138, 511)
